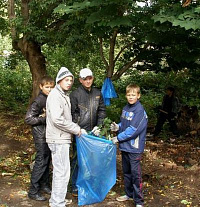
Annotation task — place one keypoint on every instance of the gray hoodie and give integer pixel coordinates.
(58, 113)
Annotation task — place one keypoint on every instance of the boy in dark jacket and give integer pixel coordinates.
(169, 110)
(36, 117)
(131, 137)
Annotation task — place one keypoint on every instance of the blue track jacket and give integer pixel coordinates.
(132, 128)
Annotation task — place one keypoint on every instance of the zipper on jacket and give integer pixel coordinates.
(90, 110)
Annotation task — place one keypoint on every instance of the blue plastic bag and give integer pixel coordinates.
(108, 91)
(97, 169)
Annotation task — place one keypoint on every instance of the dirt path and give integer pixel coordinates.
(170, 171)
(15, 140)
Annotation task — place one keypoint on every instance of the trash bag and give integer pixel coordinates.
(96, 168)
(108, 91)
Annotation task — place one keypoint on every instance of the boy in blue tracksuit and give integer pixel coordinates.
(131, 137)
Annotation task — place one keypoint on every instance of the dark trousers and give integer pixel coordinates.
(40, 172)
(74, 166)
(132, 176)
(161, 120)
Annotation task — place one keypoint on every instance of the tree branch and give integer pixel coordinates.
(186, 3)
(122, 49)
(112, 54)
(101, 53)
(120, 72)
(12, 16)
(51, 7)
(25, 11)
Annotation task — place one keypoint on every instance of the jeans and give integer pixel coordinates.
(61, 174)
(40, 172)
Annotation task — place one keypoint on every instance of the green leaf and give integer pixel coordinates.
(197, 9)
(186, 202)
(121, 21)
(95, 17)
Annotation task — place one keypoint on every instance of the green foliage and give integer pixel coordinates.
(15, 78)
(15, 88)
(87, 23)
(114, 110)
(153, 89)
(3, 19)
(187, 18)
(105, 128)
(69, 32)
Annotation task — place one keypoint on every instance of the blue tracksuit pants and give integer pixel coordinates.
(132, 176)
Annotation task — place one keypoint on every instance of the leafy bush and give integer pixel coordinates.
(15, 88)
(153, 89)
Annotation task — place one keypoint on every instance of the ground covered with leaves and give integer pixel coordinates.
(170, 169)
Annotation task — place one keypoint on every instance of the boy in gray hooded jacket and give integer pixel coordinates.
(58, 135)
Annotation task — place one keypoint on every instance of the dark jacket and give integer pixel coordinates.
(88, 109)
(132, 128)
(171, 105)
(34, 119)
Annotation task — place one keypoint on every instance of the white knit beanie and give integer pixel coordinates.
(63, 72)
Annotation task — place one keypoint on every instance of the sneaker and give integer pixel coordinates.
(46, 190)
(36, 197)
(123, 198)
(138, 205)
(68, 201)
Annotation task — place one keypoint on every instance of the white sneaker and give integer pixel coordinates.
(68, 201)
(123, 198)
(138, 205)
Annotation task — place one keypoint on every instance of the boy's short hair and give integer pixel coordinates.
(132, 87)
(46, 79)
(170, 88)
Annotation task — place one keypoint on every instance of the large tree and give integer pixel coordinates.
(127, 34)
(114, 27)
(123, 33)
(31, 24)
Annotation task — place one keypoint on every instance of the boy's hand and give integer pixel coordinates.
(114, 127)
(96, 131)
(79, 134)
(114, 140)
(83, 132)
(44, 114)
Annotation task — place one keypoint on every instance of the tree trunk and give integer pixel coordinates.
(30, 49)
(36, 60)
(112, 54)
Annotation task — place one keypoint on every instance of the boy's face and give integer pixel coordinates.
(46, 88)
(87, 82)
(132, 96)
(169, 93)
(66, 83)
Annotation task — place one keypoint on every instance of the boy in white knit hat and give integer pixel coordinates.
(58, 135)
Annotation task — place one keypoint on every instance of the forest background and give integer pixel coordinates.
(154, 44)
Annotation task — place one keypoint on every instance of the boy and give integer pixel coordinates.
(36, 117)
(58, 135)
(131, 137)
(168, 111)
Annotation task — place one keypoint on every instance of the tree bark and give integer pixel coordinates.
(112, 54)
(30, 49)
(36, 61)
(11, 14)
